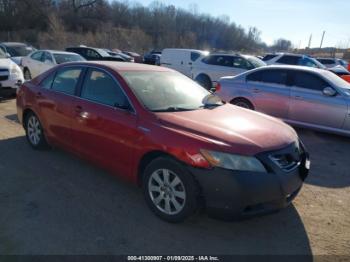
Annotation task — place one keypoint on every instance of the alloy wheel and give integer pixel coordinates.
(34, 130)
(167, 191)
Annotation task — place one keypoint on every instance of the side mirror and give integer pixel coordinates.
(8, 55)
(328, 91)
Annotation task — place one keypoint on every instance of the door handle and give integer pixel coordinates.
(256, 90)
(298, 97)
(38, 95)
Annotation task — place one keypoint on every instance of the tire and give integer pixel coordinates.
(242, 102)
(27, 75)
(180, 191)
(204, 81)
(34, 132)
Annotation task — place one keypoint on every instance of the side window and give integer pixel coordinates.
(92, 54)
(326, 61)
(274, 77)
(307, 62)
(194, 56)
(309, 81)
(47, 82)
(254, 77)
(240, 62)
(268, 57)
(37, 56)
(289, 60)
(47, 57)
(66, 80)
(211, 60)
(102, 88)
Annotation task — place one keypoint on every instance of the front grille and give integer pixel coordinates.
(289, 159)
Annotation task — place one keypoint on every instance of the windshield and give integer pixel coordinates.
(102, 52)
(166, 91)
(256, 62)
(19, 50)
(64, 58)
(338, 81)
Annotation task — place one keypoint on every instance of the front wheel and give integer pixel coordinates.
(170, 190)
(241, 102)
(27, 75)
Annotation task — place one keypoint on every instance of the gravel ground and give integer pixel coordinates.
(54, 203)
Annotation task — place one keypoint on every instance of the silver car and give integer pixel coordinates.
(302, 96)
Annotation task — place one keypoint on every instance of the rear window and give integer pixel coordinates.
(268, 57)
(66, 80)
(269, 76)
(326, 61)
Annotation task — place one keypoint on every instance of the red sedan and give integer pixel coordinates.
(159, 129)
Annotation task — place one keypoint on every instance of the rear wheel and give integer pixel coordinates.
(242, 102)
(170, 190)
(27, 75)
(204, 81)
(35, 132)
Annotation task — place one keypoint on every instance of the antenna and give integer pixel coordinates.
(322, 39)
(310, 41)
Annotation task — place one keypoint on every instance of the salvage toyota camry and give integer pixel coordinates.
(162, 131)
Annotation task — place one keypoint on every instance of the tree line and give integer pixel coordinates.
(132, 26)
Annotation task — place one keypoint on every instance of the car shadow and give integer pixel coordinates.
(329, 155)
(12, 118)
(54, 203)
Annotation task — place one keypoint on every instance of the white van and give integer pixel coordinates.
(181, 59)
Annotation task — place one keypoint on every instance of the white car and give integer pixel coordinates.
(332, 62)
(208, 70)
(40, 61)
(11, 75)
(181, 60)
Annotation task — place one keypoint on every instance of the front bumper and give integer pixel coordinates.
(243, 194)
(11, 83)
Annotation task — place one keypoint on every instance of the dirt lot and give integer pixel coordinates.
(53, 203)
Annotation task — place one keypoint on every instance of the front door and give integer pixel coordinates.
(104, 126)
(310, 106)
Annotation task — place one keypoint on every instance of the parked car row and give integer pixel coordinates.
(185, 146)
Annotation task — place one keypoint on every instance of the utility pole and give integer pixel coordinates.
(310, 41)
(322, 39)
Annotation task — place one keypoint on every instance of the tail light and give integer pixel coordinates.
(218, 87)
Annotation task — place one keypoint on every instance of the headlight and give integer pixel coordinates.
(233, 162)
(16, 72)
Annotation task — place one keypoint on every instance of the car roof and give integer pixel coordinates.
(292, 67)
(13, 44)
(123, 66)
(57, 52)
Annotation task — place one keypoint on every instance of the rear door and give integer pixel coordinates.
(310, 106)
(34, 63)
(55, 100)
(271, 91)
(104, 125)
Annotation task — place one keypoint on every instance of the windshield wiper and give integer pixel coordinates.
(173, 109)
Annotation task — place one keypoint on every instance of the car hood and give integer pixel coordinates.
(232, 129)
(5, 63)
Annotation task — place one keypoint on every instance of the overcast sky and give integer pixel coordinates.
(291, 19)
